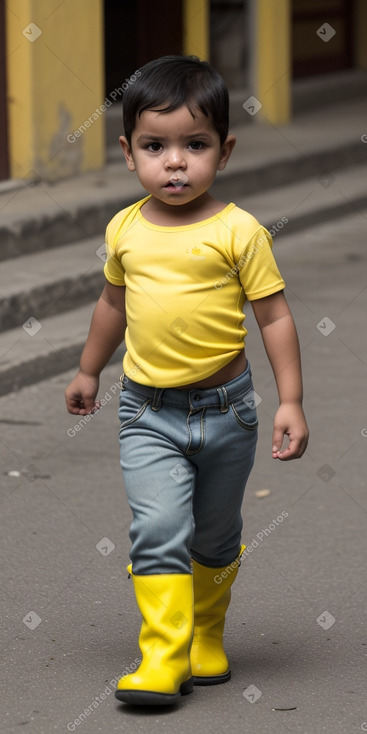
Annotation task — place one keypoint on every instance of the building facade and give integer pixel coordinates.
(64, 65)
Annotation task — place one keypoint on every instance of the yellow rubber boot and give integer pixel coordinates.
(212, 594)
(164, 675)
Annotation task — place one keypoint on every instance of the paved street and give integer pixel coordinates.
(296, 631)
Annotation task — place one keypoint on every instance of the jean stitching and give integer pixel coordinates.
(130, 421)
(188, 452)
(248, 426)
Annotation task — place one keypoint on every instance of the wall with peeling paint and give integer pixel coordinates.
(55, 68)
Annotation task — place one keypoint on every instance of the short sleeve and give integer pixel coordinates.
(257, 268)
(113, 269)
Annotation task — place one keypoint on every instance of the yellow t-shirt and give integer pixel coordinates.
(185, 290)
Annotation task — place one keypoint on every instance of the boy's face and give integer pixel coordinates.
(176, 156)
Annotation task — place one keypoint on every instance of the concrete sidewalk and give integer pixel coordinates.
(296, 633)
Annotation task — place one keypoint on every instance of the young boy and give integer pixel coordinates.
(186, 263)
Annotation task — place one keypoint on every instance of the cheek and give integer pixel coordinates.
(207, 165)
(148, 166)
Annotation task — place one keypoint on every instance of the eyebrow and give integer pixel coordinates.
(157, 138)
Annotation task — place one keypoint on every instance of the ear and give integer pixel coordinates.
(127, 153)
(226, 151)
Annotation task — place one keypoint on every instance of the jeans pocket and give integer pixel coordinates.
(131, 408)
(244, 410)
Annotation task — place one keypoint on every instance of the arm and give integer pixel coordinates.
(106, 333)
(281, 344)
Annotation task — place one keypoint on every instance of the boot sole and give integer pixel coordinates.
(212, 680)
(151, 698)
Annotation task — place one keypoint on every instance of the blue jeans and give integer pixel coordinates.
(186, 456)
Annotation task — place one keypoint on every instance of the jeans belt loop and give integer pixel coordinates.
(223, 399)
(157, 398)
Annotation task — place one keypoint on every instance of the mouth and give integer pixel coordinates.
(176, 183)
(175, 186)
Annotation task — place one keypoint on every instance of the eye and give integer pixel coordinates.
(196, 145)
(154, 147)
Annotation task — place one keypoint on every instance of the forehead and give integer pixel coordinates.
(179, 121)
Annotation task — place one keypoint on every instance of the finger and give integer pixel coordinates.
(77, 406)
(285, 455)
(293, 451)
(72, 410)
(72, 405)
(90, 405)
(278, 435)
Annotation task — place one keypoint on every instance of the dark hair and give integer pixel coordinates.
(174, 81)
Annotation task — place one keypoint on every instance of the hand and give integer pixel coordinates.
(81, 394)
(290, 421)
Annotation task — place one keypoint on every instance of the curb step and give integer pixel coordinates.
(52, 282)
(46, 223)
(310, 202)
(47, 348)
(281, 173)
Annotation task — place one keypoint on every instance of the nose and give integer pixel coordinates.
(175, 159)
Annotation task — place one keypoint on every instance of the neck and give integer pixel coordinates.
(157, 212)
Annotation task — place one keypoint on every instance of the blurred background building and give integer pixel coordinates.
(64, 65)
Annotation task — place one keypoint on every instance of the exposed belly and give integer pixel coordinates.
(227, 373)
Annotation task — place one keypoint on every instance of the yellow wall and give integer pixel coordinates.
(272, 58)
(196, 28)
(55, 83)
